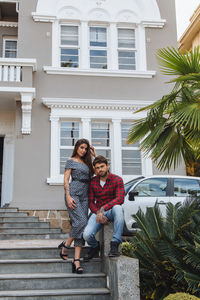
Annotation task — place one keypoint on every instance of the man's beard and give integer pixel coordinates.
(104, 175)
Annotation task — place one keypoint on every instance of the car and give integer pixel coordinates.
(143, 192)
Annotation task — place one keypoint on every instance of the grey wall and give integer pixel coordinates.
(32, 153)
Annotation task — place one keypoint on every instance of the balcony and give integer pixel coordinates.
(16, 83)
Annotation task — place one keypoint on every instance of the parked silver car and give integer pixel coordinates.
(145, 192)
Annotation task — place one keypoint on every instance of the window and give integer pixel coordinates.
(186, 187)
(69, 46)
(98, 47)
(131, 157)
(126, 49)
(10, 48)
(101, 138)
(154, 187)
(69, 134)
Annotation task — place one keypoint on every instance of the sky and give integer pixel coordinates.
(184, 10)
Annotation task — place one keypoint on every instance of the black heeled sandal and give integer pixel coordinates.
(76, 270)
(64, 256)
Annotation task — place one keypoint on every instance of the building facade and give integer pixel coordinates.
(72, 69)
(191, 36)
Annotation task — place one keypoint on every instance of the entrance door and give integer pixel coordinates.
(1, 164)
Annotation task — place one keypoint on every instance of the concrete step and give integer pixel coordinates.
(24, 225)
(8, 209)
(61, 294)
(51, 281)
(13, 214)
(47, 265)
(17, 219)
(29, 230)
(36, 236)
(35, 253)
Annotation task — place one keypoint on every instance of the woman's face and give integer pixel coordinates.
(82, 150)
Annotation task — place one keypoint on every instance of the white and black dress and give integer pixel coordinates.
(79, 187)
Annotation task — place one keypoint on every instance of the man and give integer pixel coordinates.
(106, 195)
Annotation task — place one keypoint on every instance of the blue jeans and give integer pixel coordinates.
(116, 215)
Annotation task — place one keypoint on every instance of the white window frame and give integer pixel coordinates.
(69, 46)
(129, 148)
(110, 138)
(9, 38)
(99, 48)
(67, 147)
(135, 50)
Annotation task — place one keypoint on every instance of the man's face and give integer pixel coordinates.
(101, 169)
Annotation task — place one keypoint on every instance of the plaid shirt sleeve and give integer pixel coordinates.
(119, 195)
(91, 199)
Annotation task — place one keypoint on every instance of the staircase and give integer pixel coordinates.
(30, 266)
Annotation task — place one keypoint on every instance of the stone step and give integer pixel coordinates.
(51, 281)
(47, 265)
(8, 209)
(13, 214)
(34, 253)
(29, 230)
(17, 219)
(36, 236)
(61, 294)
(24, 225)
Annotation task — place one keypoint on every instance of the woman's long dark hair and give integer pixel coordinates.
(87, 157)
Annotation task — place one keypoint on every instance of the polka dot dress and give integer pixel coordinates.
(79, 192)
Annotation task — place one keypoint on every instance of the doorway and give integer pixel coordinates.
(1, 164)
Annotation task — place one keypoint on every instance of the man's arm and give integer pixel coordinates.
(91, 199)
(119, 195)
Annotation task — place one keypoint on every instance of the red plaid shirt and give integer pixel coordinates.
(111, 194)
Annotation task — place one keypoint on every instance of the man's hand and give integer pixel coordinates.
(100, 218)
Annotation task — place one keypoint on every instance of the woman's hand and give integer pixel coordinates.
(93, 151)
(71, 202)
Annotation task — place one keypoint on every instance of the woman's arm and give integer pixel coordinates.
(70, 201)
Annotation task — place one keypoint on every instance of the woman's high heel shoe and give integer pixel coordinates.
(64, 256)
(78, 270)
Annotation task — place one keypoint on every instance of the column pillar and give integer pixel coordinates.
(84, 45)
(86, 130)
(55, 149)
(117, 153)
(113, 55)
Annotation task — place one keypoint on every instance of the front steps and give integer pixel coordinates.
(17, 225)
(31, 269)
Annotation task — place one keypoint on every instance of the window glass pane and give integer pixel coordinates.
(186, 187)
(126, 60)
(98, 37)
(69, 133)
(131, 162)
(64, 155)
(11, 54)
(125, 127)
(101, 134)
(153, 187)
(69, 35)
(98, 59)
(69, 58)
(11, 45)
(126, 38)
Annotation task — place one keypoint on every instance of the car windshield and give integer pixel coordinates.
(129, 184)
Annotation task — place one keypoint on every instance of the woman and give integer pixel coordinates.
(79, 168)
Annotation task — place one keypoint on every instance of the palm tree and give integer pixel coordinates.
(170, 132)
(168, 250)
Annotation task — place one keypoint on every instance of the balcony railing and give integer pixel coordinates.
(11, 69)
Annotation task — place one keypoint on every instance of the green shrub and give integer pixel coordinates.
(180, 296)
(127, 248)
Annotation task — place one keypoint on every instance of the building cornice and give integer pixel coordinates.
(43, 18)
(8, 24)
(154, 24)
(96, 104)
(185, 42)
(103, 73)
